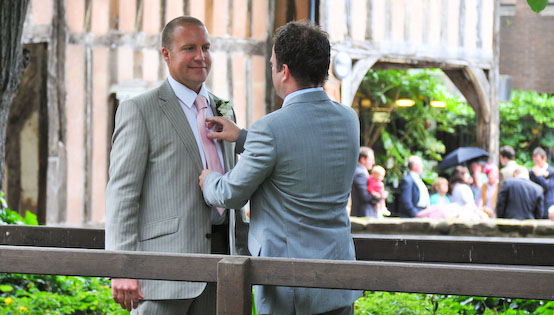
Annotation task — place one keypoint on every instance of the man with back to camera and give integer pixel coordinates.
(153, 202)
(519, 198)
(296, 169)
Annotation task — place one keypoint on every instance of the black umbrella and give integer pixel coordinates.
(461, 155)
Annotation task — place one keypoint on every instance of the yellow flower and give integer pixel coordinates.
(535, 131)
(23, 309)
(8, 301)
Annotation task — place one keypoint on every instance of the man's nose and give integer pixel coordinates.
(199, 55)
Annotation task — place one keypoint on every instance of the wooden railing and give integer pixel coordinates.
(518, 268)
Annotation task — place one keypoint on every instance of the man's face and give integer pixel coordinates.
(188, 60)
(368, 161)
(539, 160)
(276, 75)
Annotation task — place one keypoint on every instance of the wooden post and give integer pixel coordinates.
(234, 291)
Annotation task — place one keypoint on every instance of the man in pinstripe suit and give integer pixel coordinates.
(153, 202)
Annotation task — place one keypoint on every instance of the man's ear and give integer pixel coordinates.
(165, 54)
(286, 72)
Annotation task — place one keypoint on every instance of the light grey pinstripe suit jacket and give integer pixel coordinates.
(153, 200)
(297, 169)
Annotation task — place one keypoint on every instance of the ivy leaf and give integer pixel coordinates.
(5, 288)
(537, 5)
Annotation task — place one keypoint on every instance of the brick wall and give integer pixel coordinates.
(526, 46)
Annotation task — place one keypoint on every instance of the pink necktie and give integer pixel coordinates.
(210, 150)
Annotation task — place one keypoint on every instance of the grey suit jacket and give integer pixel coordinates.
(297, 170)
(153, 200)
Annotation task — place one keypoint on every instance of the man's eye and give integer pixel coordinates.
(206, 48)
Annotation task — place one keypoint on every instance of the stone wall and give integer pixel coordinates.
(489, 228)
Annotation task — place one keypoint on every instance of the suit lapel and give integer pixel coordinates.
(174, 113)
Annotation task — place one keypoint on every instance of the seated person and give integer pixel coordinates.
(440, 187)
(376, 187)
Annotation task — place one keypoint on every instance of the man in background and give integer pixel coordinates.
(414, 195)
(363, 203)
(507, 156)
(520, 198)
(543, 175)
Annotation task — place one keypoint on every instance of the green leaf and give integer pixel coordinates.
(537, 5)
(6, 288)
(30, 218)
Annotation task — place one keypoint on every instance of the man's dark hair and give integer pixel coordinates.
(508, 152)
(167, 33)
(364, 152)
(305, 49)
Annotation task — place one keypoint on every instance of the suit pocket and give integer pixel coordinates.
(159, 228)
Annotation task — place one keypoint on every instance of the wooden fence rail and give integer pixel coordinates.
(235, 274)
(416, 248)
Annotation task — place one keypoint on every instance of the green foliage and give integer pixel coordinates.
(384, 303)
(527, 121)
(32, 294)
(44, 294)
(8, 216)
(412, 130)
(537, 5)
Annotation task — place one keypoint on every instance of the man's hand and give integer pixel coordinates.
(538, 171)
(126, 292)
(225, 129)
(201, 178)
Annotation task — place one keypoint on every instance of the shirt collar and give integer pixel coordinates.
(287, 99)
(186, 95)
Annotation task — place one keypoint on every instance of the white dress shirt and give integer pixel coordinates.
(186, 98)
(424, 200)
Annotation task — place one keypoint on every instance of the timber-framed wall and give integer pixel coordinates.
(458, 36)
(100, 52)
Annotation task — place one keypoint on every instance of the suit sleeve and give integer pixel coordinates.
(406, 197)
(239, 145)
(545, 182)
(128, 160)
(360, 184)
(539, 211)
(501, 201)
(233, 189)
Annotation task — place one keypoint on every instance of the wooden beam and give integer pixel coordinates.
(462, 279)
(351, 83)
(234, 292)
(101, 263)
(27, 235)
(420, 248)
(475, 87)
(455, 249)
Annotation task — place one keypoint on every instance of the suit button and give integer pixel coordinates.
(208, 235)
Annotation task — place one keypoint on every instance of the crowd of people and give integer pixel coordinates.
(480, 191)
